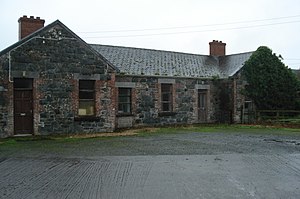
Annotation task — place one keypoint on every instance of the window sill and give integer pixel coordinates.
(87, 118)
(124, 114)
(162, 114)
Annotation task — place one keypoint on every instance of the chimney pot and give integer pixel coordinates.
(28, 26)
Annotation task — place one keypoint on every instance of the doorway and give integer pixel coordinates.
(248, 113)
(202, 106)
(23, 106)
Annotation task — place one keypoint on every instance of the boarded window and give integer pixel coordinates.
(124, 105)
(166, 97)
(86, 98)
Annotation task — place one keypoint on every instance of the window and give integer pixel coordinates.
(166, 97)
(124, 100)
(86, 98)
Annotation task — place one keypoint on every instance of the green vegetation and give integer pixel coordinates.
(69, 143)
(137, 141)
(271, 84)
(252, 129)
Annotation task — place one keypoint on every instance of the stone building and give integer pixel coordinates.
(51, 81)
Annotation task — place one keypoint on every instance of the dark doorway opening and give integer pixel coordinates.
(202, 106)
(23, 106)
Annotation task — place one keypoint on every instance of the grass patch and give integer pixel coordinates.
(49, 141)
(111, 143)
(252, 129)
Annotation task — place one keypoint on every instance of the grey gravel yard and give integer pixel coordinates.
(259, 163)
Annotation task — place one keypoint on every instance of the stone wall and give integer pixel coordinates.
(3, 106)
(56, 60)
(4, 98)
(146, 101)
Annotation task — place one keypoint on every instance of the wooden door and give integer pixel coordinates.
(202, 106)
(23, 106)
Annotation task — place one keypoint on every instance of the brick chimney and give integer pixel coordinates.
(29, 25)
(217, 48)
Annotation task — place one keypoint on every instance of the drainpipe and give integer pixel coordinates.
(9, 68)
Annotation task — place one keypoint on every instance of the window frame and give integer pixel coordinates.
(86, 94)
(127, 102)
(166, 90)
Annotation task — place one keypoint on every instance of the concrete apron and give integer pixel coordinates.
(164, 176)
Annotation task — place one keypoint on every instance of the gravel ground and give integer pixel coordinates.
(171, 165)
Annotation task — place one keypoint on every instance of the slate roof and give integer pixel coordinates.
(53, 24)
(137, 61)
(231, 64)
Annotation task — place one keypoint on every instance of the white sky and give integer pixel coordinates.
(280, 31)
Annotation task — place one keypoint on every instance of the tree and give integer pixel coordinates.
(271, 84)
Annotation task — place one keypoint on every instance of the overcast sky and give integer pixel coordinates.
(173, 25)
